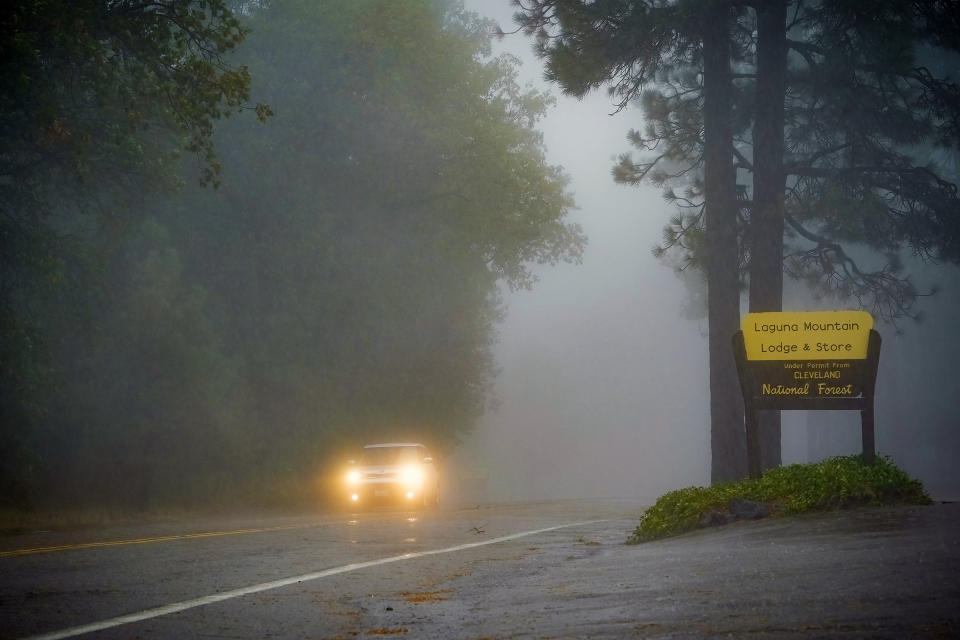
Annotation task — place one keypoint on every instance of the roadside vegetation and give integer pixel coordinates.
(836, 483)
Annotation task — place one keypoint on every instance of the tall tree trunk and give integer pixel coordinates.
(727, 436)
(766, 217)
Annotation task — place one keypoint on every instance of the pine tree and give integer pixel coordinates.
(630, 45)
(829, 113)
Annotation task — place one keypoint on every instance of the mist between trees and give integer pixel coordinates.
(168, 343)
(792, 136)
(241, 237)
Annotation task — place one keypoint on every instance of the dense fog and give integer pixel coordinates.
(327, 224)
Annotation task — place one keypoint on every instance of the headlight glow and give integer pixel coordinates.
(411, 476)
(353, 477)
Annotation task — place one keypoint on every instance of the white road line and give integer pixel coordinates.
(176, 607)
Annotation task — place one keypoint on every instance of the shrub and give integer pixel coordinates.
(836, 483)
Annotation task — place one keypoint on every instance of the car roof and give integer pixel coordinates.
(394, 444)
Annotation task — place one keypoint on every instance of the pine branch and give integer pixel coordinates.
(828, 267)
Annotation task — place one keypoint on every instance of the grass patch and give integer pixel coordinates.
(835, 483)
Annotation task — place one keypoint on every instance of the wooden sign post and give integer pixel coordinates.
(817, 360)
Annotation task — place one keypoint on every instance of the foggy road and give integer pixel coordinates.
(550, 569)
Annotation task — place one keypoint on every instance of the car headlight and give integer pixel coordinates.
(353, 477)
(411, 476)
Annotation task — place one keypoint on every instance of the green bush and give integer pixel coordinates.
(835, 483)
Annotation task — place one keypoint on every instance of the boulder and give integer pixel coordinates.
(715, 519)
(737, 509)
(742, 509)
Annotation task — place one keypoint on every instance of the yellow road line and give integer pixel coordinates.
(117, 543)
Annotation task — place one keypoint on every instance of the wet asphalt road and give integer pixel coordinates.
(479, 573)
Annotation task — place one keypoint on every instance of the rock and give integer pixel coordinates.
(742, 509)
(715, 519)
(737, 509)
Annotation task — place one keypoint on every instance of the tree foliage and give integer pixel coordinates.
(341, 283)
(97, 100)
(863, 113)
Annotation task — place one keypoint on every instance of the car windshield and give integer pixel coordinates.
(391, 455)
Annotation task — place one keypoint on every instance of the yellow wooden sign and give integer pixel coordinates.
(807, 335)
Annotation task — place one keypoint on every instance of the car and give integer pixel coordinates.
(393, 472)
